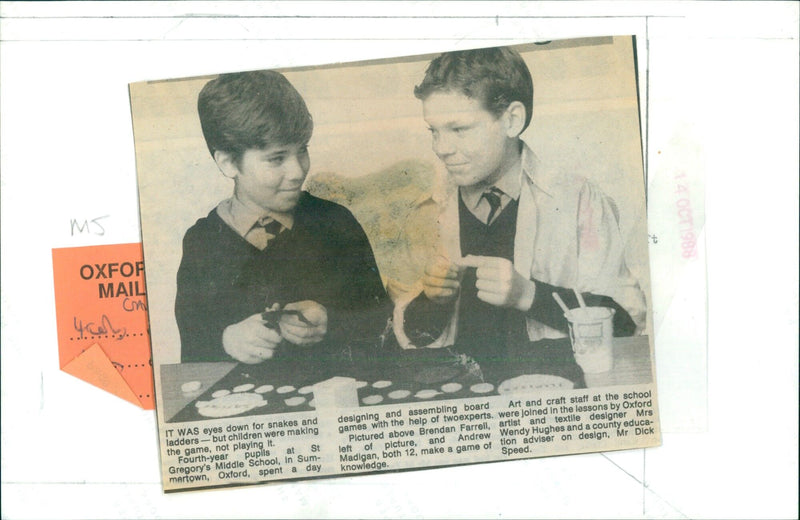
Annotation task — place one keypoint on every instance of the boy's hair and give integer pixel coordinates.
(496, 77)
(254, 109)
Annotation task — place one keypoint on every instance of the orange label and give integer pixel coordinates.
(101, 313)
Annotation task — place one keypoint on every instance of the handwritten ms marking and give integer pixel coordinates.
(84, 228)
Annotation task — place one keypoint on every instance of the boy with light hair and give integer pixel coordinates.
(510, 232)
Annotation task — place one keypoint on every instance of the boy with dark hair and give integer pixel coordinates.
(510, 231)
(272, 246)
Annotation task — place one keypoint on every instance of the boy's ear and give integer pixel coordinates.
(226, 164)
(514, 119)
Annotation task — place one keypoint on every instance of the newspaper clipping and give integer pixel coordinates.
(395, 264)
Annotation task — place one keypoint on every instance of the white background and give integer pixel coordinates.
(722, 82)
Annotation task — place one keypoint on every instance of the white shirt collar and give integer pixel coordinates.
(241, 217)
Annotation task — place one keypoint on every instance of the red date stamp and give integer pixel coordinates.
(683, 203)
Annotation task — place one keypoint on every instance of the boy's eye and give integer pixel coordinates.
(276, 160)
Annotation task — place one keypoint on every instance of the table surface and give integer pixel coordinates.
(631, 366)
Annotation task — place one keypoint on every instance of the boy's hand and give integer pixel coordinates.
(307, 329)
(442, 280)
(500, 284)
(249, 341)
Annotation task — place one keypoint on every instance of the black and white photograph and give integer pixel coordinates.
(359, 239)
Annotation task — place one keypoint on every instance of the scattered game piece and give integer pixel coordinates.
(426, 394)
(231, 404)
(220, 393)
(482, 388)
(381, 384)
(295, 401)
(361, 384)
(263, 389)
(529, 382)
(244, 388)
(372, 399)
(399, 394)
(451, 388)
(305, 390)
(285, 389)
(191, 386)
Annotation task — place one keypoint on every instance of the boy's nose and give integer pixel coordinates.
(442, 146)
(296, 168)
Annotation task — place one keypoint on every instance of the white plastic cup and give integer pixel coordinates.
(591, 330)
(336, 392)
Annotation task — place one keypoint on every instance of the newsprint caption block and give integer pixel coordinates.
(252, 449)
(395, 264)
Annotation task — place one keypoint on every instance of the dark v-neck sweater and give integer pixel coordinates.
(485, 330)
(325, 257)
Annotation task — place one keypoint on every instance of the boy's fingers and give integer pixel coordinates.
(490, 297)
(291, 319)
(441, 283)
(442, 267)
(252, 353)
(441, 261)
(265, 333)
(486, 286)
(302, 339)
(256, 345)
(262, 353)
(291, 338)
(452, 273)
(296, 331)
(442, 295)
(440, 271)
(487, 273)
(475, 261)
(308, 312)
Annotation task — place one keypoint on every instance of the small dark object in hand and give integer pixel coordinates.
(272, 317)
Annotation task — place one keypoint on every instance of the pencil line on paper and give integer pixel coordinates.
(621, 468)
(644, 486)
(644, 478)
